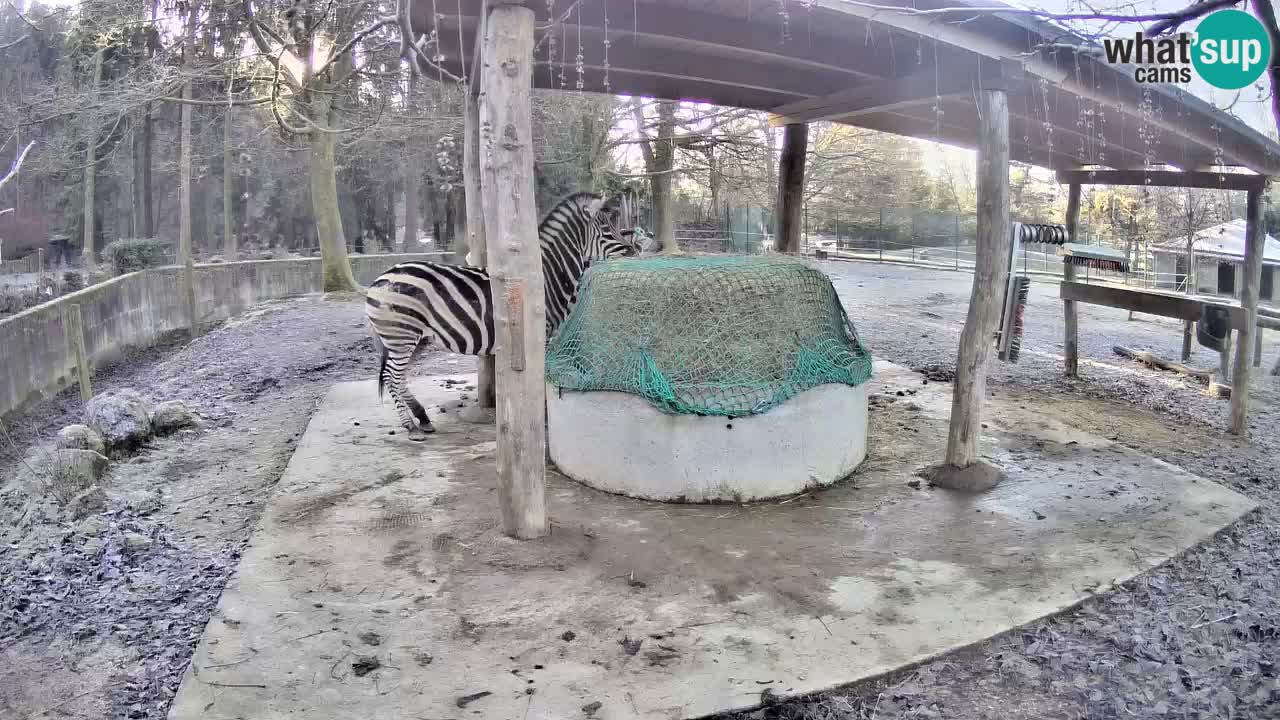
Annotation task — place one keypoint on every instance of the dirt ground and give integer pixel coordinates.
(97, 624)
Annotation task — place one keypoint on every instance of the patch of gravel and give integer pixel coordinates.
(142, 576)
(1196, 638)
(126, 577)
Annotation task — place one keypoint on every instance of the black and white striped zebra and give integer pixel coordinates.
(414, 302)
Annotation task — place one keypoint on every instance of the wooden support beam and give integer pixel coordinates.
(477, 250)
(992, 251)
(1255, 240)
(189, 293)
(1179, 307)
(515, 262)
(73, 326)
(1071, 334)
(890, 94)
(790, 219)
(1257, 347)
(1165, 178)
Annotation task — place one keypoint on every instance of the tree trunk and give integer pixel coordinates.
(184, 179)
(517, 287)
(412, 187)
(790, 214)
(148, 210)
(324, 202)
(984, 304)
(91, 165)
(1255, 240)
(478, 250)
(229, 251)
(1071, 336)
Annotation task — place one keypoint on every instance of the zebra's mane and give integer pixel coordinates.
(572, 205)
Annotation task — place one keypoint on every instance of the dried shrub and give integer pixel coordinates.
(132, 254)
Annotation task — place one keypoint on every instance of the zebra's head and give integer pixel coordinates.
(614, 231)
(618, 222)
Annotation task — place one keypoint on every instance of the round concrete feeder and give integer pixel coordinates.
(620, 443)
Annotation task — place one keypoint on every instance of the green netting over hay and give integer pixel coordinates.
(705, 335)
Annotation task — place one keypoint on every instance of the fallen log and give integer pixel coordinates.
(1159, 363)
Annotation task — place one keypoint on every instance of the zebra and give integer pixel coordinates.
(413, 302)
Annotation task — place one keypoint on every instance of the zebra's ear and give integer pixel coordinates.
(594, 206)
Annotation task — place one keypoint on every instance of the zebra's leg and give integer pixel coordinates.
(412, 415)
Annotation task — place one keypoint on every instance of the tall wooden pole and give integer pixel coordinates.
(790, 214)
(476, 248)
(992, 253)
(73, 326)
(1071, 336)
(1255, 239)
(515, 263)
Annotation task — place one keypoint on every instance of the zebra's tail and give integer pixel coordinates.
(382, 373)
(382, 362)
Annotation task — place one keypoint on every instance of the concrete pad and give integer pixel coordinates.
(379, 551)
(620, 443)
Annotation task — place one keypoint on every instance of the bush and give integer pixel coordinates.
(73, 280)
(15, 300)
(131, 254)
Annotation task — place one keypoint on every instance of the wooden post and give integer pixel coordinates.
(74, 329)
(790, 215)
(189, 289)
(476, 247)
(515, 262)
(976, 340)
(1224, 361)
(1071, 338)
(1257, 349)
(1255, 240)
(1187, 327)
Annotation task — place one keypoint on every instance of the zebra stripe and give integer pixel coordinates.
(416, 301)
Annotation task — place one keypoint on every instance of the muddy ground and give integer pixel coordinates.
(95, 623)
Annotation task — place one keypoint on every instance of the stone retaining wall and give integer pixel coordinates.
(138, 309)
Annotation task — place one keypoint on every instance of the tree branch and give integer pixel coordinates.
(17, 165)
(346, 47)
(1267, 14)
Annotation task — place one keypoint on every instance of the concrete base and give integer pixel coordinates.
(378, 584)
(620, 443)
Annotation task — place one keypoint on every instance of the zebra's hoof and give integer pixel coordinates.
(419, 434)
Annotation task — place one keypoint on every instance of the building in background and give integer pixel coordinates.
(1218, 258)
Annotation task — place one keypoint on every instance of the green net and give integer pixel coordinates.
(722, 335)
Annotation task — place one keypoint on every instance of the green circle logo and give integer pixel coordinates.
(1232, 49)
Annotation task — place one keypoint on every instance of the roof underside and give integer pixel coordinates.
(1072, 110)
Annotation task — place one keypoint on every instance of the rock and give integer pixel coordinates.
(91, 527)
(89, 502)
(93, 547)
(135, 541)
(141, 502)
(171, 416)
(81, 437)
(123, 418)
(62, 473)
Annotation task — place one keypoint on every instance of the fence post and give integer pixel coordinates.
(880, 235)
(956, 250)
(189, 283)
(806, 226)
(838, 246)
(74, 329)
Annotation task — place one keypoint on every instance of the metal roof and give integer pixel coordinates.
(1073, 110)
(1225, 240)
